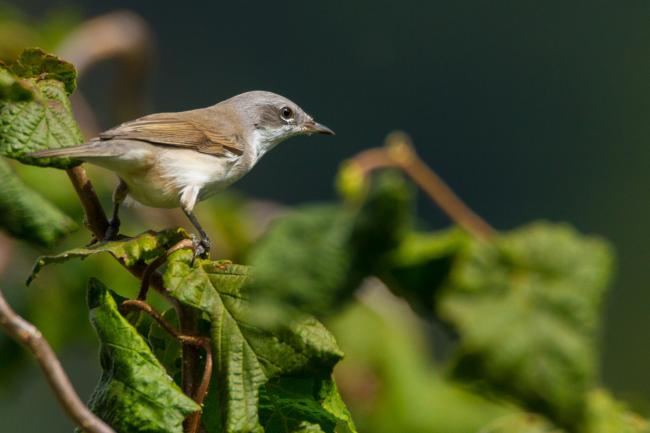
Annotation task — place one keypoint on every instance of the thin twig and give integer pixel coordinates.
(192, 422)
(153, 266)
(190, 362)
(95, 218)
(400, 154)
(30, 337)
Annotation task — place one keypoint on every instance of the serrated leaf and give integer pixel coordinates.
(329, 249)
(135, 393)
(27, 215)
(43, 121)
(37, 64)
(247, 356)
(143, 248)
(526, 308)
(290, 405)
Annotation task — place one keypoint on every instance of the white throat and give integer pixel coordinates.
(263, 140)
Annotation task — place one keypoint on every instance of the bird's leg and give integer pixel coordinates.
(202, 245)
(119, 195)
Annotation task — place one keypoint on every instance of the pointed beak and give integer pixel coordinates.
(313, 127)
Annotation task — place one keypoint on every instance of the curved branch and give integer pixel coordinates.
(32, 339)
(399, 153)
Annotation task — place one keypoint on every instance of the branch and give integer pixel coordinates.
(399, 153)
(189, 341)
(95, 219)
(32, 339)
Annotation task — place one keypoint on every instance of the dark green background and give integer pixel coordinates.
(529, 109)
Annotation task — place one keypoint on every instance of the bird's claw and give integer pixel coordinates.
(112, 231)
(200, 247)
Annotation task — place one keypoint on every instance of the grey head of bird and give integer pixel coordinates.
(269, 118)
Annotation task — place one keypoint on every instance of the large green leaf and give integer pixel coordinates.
(134, 393)
(143, 248)
(247, 357)
(27, 215)
(526, 308)
(35, 112)
(329, 249)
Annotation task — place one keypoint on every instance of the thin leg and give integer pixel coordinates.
(203, 246)
(118, 198)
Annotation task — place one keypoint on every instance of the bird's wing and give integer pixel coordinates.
(178, 129)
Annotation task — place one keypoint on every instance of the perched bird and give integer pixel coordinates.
(171, 160)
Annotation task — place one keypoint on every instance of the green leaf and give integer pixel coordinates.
(43, 120)
(135, 393)
(421, 264)
(37, 64)
(310, 244)
(142, 249)
(27, 215)
(327, 250)
(389, 378)
(290, 405)
(526, 307)
(12, 89)
(246, 356)
(521, 423)
(606, 415)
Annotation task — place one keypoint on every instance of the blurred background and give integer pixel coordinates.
(528, 109)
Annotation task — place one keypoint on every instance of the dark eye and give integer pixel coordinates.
(286, 113)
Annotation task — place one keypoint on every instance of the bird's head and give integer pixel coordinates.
(270, 118)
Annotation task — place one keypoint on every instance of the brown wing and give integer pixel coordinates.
(181, 130)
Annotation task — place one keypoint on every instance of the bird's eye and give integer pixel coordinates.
(286, 113)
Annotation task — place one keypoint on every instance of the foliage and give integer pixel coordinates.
(249, 357)
(26, 214)
(526, 308)
(519, 312)
(44, 120)
(34, 114)
(328, 250)
(135, 393)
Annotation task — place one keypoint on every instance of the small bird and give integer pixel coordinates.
(169, 160)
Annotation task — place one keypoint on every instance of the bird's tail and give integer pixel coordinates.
(91, 149)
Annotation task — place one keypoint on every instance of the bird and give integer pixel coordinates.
(176, 159)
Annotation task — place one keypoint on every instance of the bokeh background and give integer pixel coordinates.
(528, 109)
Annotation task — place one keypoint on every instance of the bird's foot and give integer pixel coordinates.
(200, 247)
(112, 231)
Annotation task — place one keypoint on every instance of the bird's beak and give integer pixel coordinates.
(313, 127)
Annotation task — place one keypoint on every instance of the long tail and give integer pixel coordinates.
(91, 149)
